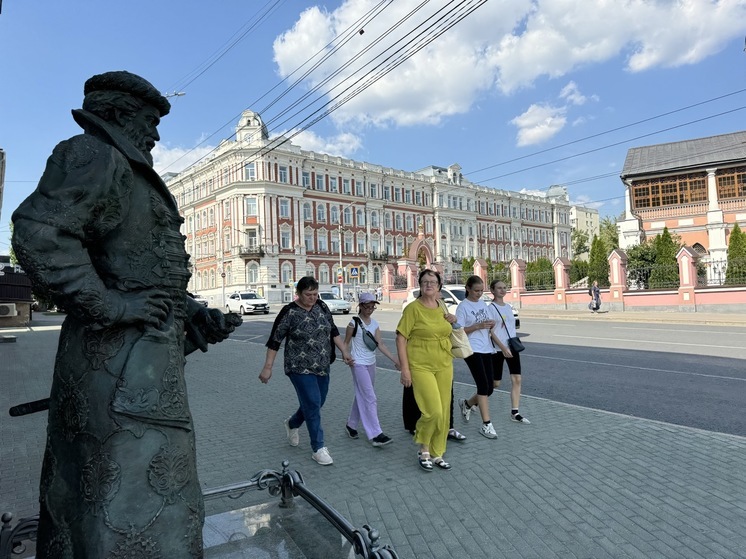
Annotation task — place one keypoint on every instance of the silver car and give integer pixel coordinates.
(335, 303)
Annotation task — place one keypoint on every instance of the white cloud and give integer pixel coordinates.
(586, 201)
(505, 45)
(538, 124)
(344, 144)
(175, 160)
(572, 94)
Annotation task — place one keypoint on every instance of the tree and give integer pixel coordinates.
(665, 273)
(598, 263)
(539, 275)
(609, 234)
(640, 261)
(467, 268)
(579, 239)
(578, 270)
(735, 273)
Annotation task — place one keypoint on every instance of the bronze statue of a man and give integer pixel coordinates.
(101, 236)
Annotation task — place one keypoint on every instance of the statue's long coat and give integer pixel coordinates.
(119, 476)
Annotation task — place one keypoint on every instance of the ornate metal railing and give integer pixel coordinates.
(286, 483)
(252, 251)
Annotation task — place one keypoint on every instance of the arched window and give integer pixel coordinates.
(212, 278)
(410, 223)
(321, 213)
(376, 275)
(334, 215)
(360, 218)
(252, 273)
(323, 273)
(199, 223)
(310, 270)
(348, 216)
(363, 274)
(307, 214)
(387, 220)
(398, 222)
(374, 219)
(287, 273)
(228, 275)
(199, 281)
(212, 217)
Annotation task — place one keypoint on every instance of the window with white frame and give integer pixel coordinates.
(310, 270)
(363, 274)
(347, 216)
(283, 172)
(410, 223)
(307, 213)
(252, 273)
(335, 243)
(332, 184)
(251, 205)
(249, 172)
(227, 209)
(287, 273)
(334, 215)
(345, 186)
(373, 189)
(285, 208)
(399, 246)
(251, 238)
(418, 198)
(399, 224)
(308, 237)
(361, 245)
(397, 194)
(376, 274)
(360, 218)
(305, 179)
(348, 243)
(285, 239)
(359, 189)
(387, 192)
(323, 273)
(407, 196)
(387, 220)
(321, 213)
(320, 182)
(322, 241)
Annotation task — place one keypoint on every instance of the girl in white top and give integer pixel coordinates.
(502, 313)
(473, 314)
(365, 404)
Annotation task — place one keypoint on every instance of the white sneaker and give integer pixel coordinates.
(488, 431)
(293, 436)
(518, 418)
(322, 456)
(465, 409)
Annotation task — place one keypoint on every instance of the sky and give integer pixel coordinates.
(521, 94)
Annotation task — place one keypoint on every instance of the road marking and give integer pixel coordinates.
(633, 367)
(645, 341)
(669, 330)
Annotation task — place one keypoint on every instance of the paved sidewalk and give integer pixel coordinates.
(576, 483)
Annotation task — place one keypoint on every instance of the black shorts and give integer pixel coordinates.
(514, 365)
(480, 365)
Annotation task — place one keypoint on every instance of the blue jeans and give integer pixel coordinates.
(311, 391)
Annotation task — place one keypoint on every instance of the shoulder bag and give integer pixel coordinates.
(368, 339)
(514, 343)
(460, 346)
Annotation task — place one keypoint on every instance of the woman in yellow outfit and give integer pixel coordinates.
(424, 348)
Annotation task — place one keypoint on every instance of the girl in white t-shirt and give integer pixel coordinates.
(504, 328)
(472, 313)
(365, 404)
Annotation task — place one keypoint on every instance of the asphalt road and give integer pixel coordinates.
(690, 375)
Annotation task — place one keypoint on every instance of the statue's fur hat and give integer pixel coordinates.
(127, 82)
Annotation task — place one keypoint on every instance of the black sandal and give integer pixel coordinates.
(442, 464)
(455, 435)
(425, 463)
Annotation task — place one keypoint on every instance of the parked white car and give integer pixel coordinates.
(452, 295)
(246, 302)
(200, 299)
(335, 303)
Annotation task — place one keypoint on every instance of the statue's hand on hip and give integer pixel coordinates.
(151, 307)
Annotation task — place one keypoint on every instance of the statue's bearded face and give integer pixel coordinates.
(142, 130)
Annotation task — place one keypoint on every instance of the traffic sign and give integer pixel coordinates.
(353, 272)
